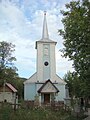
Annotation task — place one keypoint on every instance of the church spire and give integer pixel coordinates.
(45, 29)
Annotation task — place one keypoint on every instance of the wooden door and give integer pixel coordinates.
(46, 98)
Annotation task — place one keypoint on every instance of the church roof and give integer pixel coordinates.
(33, 79)
(51, 88)
(45, 35)
(46, 41)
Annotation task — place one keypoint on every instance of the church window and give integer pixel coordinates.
(46, 51)
(46, 63)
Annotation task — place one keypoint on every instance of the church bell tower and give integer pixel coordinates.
(46, 62)
(45, 83)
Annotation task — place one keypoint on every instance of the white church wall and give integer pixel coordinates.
(29, 91)
(38, 86)
(52, 61)
(46, 58)
(61, 94)
(39, 62)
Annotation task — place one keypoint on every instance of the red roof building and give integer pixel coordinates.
(8, 93)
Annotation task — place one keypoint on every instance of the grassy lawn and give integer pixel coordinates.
(7, 113)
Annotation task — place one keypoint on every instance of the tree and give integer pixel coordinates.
(73, 83)
(76, 35)
(7, 69)
(6, 58)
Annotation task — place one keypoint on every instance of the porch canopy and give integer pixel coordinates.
(48, 87)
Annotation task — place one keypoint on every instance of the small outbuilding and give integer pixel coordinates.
(8, 93)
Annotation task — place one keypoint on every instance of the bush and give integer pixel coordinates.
(37, 113)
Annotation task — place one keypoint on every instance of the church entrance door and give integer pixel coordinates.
(46, 98)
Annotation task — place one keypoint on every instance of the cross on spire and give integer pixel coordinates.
(45, 29)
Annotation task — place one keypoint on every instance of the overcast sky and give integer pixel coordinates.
(21, 23)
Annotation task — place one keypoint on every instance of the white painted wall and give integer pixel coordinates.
(29, 91)
(8, 96)
(61, 94)
(52, 61)
(39, 61)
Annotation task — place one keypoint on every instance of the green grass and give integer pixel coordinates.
(7, 113)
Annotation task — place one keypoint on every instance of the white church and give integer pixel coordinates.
(45, 83)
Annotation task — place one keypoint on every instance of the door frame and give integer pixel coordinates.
(46, 98)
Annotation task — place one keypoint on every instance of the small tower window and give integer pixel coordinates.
(46, 63)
